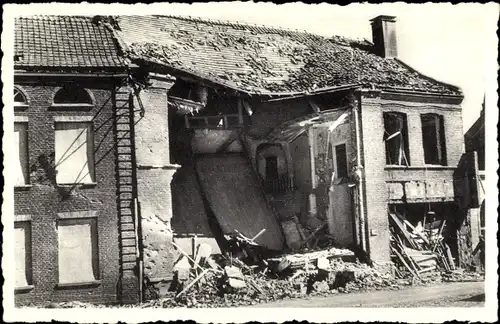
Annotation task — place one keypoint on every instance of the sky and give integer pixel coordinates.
(456, 44)
(450, 43)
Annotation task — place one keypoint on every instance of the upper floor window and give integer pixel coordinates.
(72, 94)
(20, 99)
(74, 152)
(20, 151)
(396, 139)
(341, 161)
(433, 139)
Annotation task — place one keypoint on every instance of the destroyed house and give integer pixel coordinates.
(294, 133)
(196, 130)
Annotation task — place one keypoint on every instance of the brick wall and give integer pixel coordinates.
(44, 199)
(154, 174)
(375, 162)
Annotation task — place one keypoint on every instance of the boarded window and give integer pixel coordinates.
(396, 139)
(341, 160)
(72, 94)
(433, 139)
(23, 253)
(74, 153)
(78, 250)
(21, 153)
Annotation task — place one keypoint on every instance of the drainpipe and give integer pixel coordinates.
(312, 195)
(359, 173)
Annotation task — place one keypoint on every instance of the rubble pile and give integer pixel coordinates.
(419, 250)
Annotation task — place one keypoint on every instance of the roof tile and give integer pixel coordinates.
(262, 59)
(66, 42)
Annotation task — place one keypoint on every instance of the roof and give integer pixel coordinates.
(262, 60)
(64, 42)
(474, 137)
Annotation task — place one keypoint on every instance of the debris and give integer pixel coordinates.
(182, 268)
(234, 277)
(192, 283)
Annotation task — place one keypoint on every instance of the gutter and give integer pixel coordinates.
(301, 94)
(72, 75)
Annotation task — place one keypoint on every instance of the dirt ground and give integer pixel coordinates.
(459, 294)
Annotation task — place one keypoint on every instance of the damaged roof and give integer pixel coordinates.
(290, 130)
(262, 60)
(64, 42)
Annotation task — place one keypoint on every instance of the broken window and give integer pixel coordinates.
(22, 234)
(433, 139)
(74, 153)
(72, 94)
(341, 160)
(21, 153)
(78, 250)
(396, 139)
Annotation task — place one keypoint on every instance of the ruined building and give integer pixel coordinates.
(184, 129)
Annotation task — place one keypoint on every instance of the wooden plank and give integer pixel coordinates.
(403, 230)
(404, 263)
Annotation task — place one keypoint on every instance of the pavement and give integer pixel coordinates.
(457, 294)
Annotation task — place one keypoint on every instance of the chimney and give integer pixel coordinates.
(384, 36)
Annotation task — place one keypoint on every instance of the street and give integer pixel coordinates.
(461, 294)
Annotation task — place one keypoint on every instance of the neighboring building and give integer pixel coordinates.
(68, 74)
(475, 144)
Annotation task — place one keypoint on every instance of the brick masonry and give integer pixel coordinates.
(372, 109)
(44, 199)
(154, 174)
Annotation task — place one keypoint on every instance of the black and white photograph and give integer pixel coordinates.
(241, 161)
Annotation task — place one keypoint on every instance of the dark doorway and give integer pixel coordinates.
(272, 168)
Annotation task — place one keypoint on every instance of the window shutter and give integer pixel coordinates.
(76, 253)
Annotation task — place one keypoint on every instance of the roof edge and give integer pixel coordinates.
(454, 87)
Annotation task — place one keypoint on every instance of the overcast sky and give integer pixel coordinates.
(456, 44)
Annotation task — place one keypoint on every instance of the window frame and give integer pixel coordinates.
(439, 141)
(75, 218)
(336, 161)
(25, 220)
(22, 120)
(78, 106)
(20, 105)
(90, 150)
(404, 138)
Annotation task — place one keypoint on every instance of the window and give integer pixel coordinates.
(72, 94)
(19, 98)
(341, 161)
(22, 234)
(21, 153)
(74, 152)
(78, 259)
(433, 139)
(396, 139)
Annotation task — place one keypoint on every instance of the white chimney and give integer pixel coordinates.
(384, 36)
